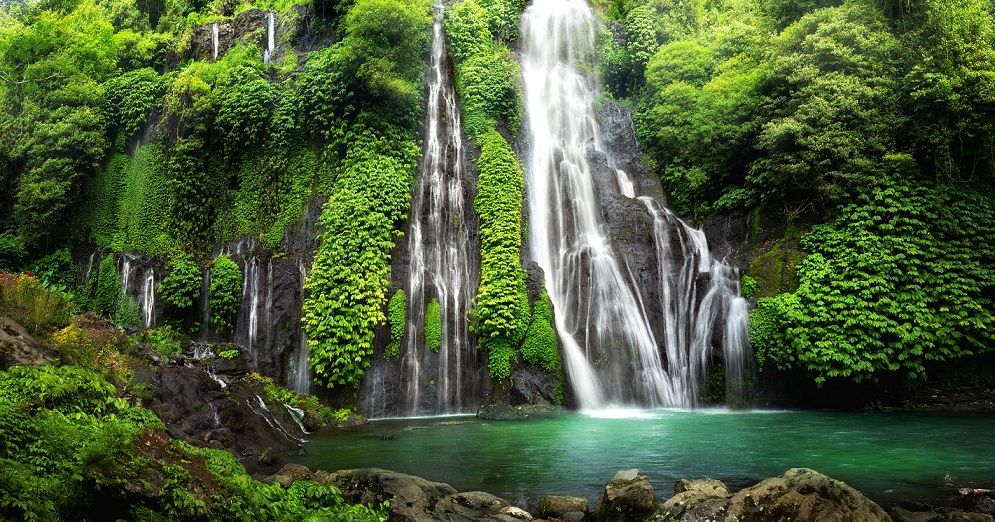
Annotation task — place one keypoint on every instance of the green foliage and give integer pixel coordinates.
(541, 343)
(12, 251)
(396, 311)
(109, 289)
(386, 40)
(370, 157)
(165, 341)
(228, 354)
(226, 292)
(433, 325)
(32, 305)
(129, 103)
(348, 281)
(487, 77)
(56, 270)
(181, 287)
(833, 88)
(747, 286)
(502, 307)
(896, 281)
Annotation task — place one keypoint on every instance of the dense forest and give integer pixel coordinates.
(854, 139)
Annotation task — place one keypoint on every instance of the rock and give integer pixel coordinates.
(626, 475)
(627, 499)
(283, 480)
(296, 472)
(416, 499)
(985, 505)
(559, 506)
(576, 516)
(473, 505)
(410, 497)
(798, 494)
(903, 515)
(518, 513)
(268, 458)
(701, 486)
(503, 412)
(19, 348)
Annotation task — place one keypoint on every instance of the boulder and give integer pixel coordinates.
(627, 497)
(296, 472)
(559, 506)
(19, 348)
(798, 494)
(416, 499)
(903, 515)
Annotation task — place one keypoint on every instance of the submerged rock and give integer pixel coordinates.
(627, 497)
(798, 494)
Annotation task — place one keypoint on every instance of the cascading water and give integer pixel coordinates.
(147, 302)
(302, 381)
(611, 353)
(257, 288)
(270, 38)
(214, 39)
(205, 306)
(440, 261)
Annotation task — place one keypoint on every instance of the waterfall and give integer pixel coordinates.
(302, 381)
(214, 39)
(205, 306)
(439, 255)
(611, 354)
(270, 38)
(147, 301)
(257, 292)
(625, 185)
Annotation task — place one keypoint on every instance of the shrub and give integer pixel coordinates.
(226, 292)
(181, 287)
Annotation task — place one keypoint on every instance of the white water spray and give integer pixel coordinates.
(611, 353)
(438, 242)
(214, 39)
(270, 38)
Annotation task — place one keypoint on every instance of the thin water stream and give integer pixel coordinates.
(890, 457)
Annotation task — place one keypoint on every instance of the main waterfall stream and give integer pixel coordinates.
(601, 313)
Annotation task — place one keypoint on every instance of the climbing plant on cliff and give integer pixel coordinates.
(896, 282)
(181, 287)
(433, 325)
(487, 77)
(370, 190)
(226, 292)
(396, 311)
(502, 306)
(540, 346)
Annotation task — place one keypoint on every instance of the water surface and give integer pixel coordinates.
(890, 457)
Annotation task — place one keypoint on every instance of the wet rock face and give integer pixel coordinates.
(798, 494)
(249, 26)
(196, 409)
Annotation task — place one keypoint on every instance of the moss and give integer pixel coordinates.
(540, 346)
(396, 311)
(433, 325)
(775, 271)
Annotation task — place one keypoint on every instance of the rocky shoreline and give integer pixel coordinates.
(799, 494)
